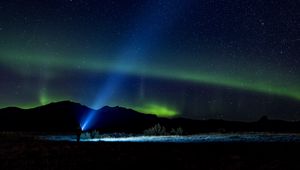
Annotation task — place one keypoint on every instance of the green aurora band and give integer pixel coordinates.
(269, 83)
(157, 109)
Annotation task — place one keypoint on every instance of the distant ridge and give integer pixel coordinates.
(65, 116)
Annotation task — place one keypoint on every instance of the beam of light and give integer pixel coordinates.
(105, 93)
(158, 110)
(152, 25)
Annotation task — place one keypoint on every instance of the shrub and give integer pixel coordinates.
(178, 131)
(156, 130)
(94, 134)
(85, 135)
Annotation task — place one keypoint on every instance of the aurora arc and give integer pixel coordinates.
(182, 56)
(265, 84)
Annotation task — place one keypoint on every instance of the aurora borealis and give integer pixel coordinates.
(199, 59)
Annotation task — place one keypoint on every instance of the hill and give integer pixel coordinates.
(65, 116)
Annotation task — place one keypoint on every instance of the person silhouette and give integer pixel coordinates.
(78, 133)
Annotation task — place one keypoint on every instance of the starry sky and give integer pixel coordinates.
(200, 59)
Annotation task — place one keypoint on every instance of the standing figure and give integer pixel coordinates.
(78, 133)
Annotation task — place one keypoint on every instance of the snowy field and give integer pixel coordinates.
(203, 138)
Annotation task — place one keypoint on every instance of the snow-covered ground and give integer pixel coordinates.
(203, 138)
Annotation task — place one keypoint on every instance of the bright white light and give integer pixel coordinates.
(205, 138)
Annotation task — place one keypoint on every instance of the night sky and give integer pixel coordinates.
(200, 59)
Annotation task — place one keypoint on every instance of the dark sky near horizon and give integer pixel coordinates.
(230, 59)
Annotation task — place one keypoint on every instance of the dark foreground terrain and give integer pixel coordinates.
(35, 154)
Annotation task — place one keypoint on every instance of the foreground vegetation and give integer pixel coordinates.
(156, 130)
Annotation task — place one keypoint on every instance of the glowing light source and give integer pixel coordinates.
(87, 121)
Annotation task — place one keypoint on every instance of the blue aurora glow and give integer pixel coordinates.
(146, 35)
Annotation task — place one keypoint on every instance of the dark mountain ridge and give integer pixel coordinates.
(66, 116)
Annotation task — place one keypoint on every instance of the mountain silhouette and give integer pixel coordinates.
(65, 116)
